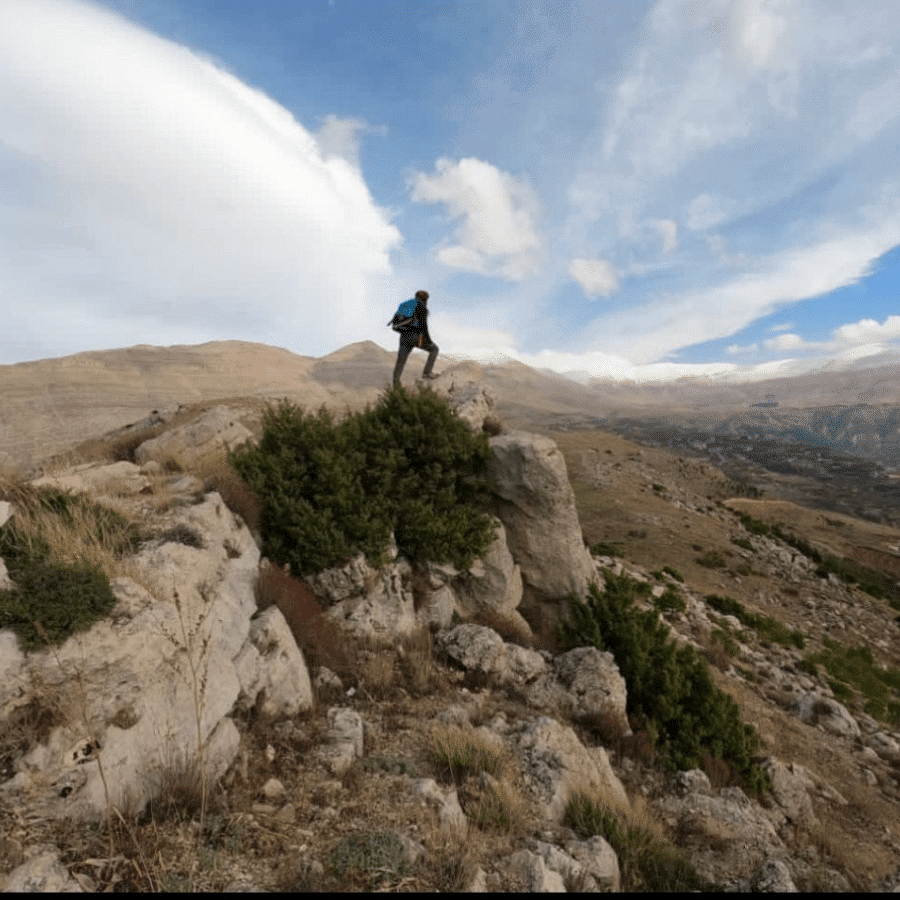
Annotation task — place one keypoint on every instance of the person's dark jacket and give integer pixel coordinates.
(421, 322)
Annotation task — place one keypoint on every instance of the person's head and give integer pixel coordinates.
(422, 295)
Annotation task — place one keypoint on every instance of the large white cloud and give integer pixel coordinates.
(868, 331)
(150, 188)
(498, 232)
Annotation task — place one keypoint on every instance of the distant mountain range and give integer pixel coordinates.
(834, 432)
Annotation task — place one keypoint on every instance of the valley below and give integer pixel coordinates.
(840, 458)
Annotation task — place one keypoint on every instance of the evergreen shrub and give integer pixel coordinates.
(670, 688)
(855, 669)
(50, 602)
(671, 599)
(330, 490)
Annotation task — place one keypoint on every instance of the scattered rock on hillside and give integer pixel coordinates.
(98, 478)
(344, 742)
(43, 873)
(590, 686)
(5, 580)
(790, 794)
(555, 762)
(828, 713)
(728, 836)
(481, 649)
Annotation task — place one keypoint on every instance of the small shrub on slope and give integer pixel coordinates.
(670, 688)
(328, 491)
(55, 548)
(855, 669)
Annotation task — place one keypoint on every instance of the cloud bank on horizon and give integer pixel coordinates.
(694, 189)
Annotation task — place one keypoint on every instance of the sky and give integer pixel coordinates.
(628, 190)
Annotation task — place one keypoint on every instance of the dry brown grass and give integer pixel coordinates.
(16, 490)
(460, 751)
(487, 777)
(416, 653)
(511, 631)
(450, 863)
(217, 475)
(297, 603)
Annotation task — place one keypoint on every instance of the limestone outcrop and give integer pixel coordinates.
(527, 473)
(472, 399)
(152, 687)
(211, 433)
(369, 602)
(492, 584)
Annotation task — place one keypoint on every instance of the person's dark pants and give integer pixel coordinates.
(408, 342)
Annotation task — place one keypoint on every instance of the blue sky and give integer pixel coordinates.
(621, 189)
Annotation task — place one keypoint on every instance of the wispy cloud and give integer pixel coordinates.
(144, 177)
(759, 133)
(868, 334)
(596, 276)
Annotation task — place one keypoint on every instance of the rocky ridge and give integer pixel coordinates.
(335, 740)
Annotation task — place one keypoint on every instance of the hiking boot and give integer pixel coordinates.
(429, 377)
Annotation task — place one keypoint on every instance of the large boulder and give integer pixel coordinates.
(273, 674)
(535, 502)
(150, 689)
(492, 584)
(210, 434)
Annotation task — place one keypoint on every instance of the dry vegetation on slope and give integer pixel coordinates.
(657, 510)
(651, 509)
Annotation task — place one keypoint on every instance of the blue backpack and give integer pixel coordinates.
(405, 317)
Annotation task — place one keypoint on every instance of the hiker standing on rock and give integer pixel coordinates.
(413, 327)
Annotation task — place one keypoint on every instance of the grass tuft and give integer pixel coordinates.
(646, 861)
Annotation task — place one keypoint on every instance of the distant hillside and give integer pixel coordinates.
(52, 404)
(874, 380)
